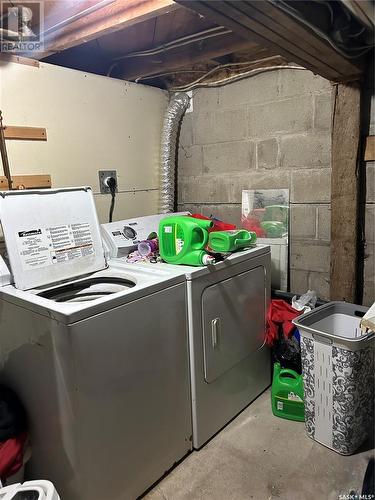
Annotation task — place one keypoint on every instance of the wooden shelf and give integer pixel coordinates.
(26, 182)
(25, 133)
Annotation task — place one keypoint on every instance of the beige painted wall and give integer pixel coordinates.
(93, 123)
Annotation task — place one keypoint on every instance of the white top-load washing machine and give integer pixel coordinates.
(227, 304)
(96, 350)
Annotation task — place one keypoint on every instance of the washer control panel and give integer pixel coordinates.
(122, 237)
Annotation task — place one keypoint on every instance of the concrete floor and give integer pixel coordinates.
(261, 457)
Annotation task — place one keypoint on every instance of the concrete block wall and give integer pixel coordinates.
(269, 131)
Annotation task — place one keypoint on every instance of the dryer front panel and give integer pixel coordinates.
(233, 318)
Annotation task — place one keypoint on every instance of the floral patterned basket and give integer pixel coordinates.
(338, 375)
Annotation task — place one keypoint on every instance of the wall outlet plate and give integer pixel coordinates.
(103, 174)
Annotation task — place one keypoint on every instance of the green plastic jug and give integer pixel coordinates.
(273, 229)
(182, 240)
(277, 213)
(229, 241)
(287, 394)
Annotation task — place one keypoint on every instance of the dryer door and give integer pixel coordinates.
(233, 317)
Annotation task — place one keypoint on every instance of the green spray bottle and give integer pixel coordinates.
(182, 240)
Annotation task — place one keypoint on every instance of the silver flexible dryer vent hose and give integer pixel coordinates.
(172, 119)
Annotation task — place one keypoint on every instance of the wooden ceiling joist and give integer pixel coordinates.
(265, 24)
(112, 17)
(278, 21)
(188, 55)
(364, 10)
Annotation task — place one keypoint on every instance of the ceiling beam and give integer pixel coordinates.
(185, 55)
(111, 17)
(264, 23)
(363, 9)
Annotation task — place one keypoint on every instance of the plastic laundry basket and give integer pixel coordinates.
(31, 490)
(338, 375)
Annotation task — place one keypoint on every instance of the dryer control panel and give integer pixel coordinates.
(122, 237)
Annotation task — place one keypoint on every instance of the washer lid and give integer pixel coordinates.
(51, 235)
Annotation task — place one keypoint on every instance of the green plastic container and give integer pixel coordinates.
(273, 229)
(287, 394)
(229, 241)
(277, 213)
(182, 240)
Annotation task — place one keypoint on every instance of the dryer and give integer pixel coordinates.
(229, 364)
(96, 350)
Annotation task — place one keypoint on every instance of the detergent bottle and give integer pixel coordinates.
(287, 394)
(229, 241)
(182, 240)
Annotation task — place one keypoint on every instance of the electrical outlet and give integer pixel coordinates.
(103, 174)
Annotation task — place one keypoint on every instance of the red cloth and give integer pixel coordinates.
(280, 313)
(11, 455)
(252, 224)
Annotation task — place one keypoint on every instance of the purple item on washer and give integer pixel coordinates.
(147, 247)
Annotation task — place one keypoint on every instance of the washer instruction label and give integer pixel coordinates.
(47, 246)
(34, 249)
